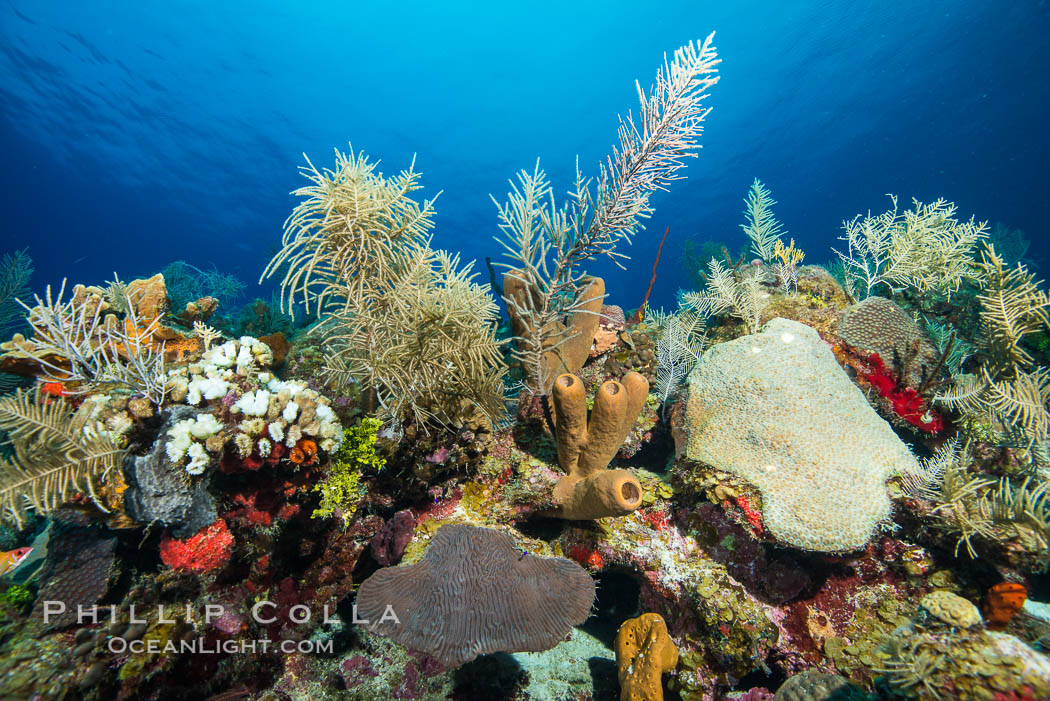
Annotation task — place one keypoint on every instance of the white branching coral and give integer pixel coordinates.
(74, 342)
(925, 248)
(205, 333)
(547, 242)
(762, 228)
(678, 350)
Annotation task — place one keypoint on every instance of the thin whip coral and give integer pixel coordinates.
(546, 242)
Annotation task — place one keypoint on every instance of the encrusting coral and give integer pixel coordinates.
(644, 651)
(585, 447)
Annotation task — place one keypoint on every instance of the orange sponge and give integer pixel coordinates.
(644, 651)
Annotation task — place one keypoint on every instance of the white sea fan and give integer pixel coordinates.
(925, 482)
(677, 351)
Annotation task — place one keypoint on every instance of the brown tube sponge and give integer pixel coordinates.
(585, 448)
(582, 325)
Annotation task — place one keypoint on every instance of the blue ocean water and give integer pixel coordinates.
(135, 134)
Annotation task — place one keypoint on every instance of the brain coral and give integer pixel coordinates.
(473, 593)
(775, 409)
(878, 324)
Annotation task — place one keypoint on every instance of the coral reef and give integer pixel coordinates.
(764, 493)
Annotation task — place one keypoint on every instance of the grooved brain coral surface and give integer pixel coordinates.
(474, 593)
(775, 409)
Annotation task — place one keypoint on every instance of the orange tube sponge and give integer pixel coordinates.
(585, 447)
(570, 354)
(644, 651)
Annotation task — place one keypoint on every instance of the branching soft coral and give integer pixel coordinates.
(1007, 385)
(405, 322)
(547, 242)
(925, 248)
(424, 341)
(343, 235)
(762, 227)
(740, 295)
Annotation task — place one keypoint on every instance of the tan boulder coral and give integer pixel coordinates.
(644, 651)
(585, 447)
(878, 325)
(950, 608)
(776, 410)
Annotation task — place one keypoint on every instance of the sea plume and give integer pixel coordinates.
(57, 453)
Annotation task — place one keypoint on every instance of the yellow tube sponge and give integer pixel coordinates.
(585, 448)
(644, 651)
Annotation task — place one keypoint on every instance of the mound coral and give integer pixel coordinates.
(776, 410)
(77, 570)
(878, 325)
(474, 592)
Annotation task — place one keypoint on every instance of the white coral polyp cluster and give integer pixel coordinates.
(286, 412)
(186, 438)
(274, 412)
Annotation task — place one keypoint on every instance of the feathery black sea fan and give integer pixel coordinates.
(57, 453)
